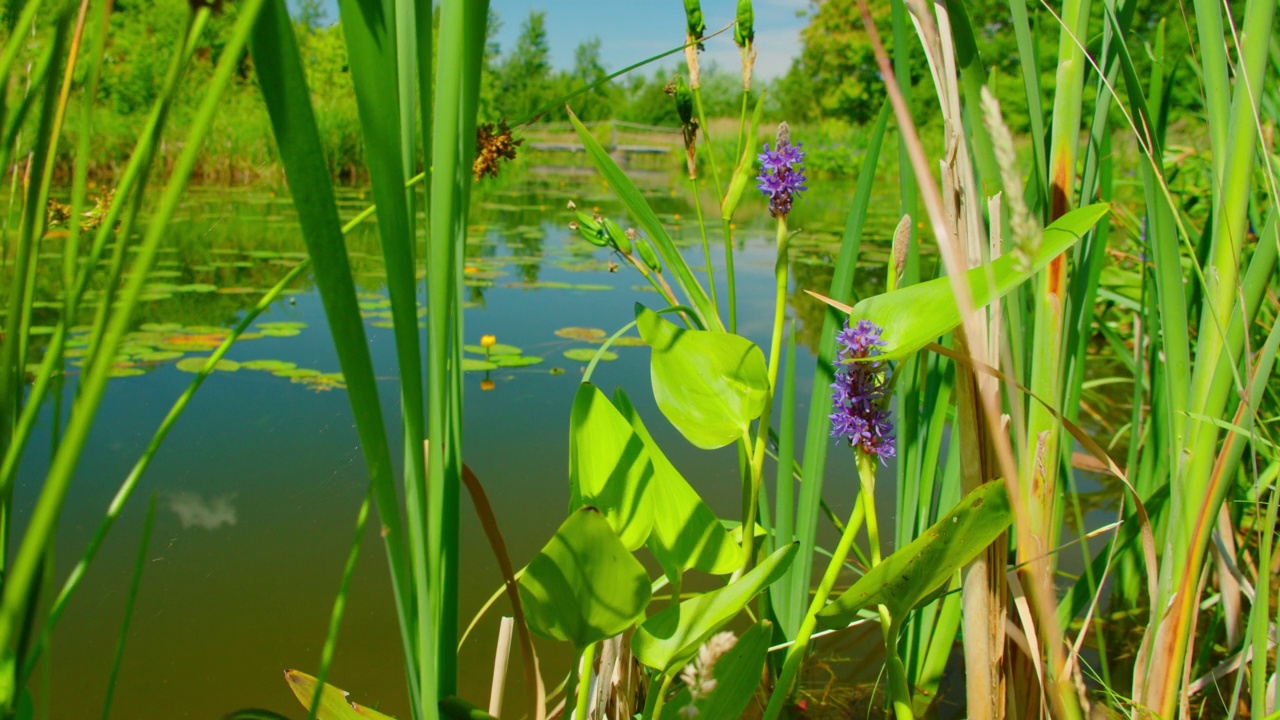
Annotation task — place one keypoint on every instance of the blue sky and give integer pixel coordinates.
(631, 30)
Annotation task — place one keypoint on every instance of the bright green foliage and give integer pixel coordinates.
(334, 704)
(710, 385)
(667, 640)
(916, 315)
(908, 576)
(686, 533)
(609, 468)
(584, 586)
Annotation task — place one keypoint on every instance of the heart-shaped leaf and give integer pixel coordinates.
(686, 533)
(709, 384)
(911, 574)
(609, 467)
(584, 586)
(667, 640)
(916, 315)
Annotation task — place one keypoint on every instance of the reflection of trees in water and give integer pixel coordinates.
(816, 276)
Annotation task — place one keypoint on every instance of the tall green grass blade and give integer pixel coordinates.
(644, 215)
(785, 487)
(138, 564)
(288, 101)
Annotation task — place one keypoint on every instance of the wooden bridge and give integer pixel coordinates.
(621, 139)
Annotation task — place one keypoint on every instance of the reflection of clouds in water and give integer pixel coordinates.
(194, 511)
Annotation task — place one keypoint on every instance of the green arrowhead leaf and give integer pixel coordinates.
(911, 574)
(686, 533)
(916, 315)
(709, 384)
(609, 467)
(584, 586)
(667, 640)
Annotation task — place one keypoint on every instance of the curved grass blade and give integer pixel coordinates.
(914, 316)
(131, 598)
(645, 217)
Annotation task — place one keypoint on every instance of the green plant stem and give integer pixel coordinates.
(131, 598)
(584, 688)
(706, 140)
(795, 656)
(731, 284)
(571, 686)
(706, 247)
(762, 429)
(654, 711)
(899, 690)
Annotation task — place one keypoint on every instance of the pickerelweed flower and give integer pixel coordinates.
(781, 178)
(860, 393)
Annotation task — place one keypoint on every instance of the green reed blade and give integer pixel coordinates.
(817, 441)
(1031, 84)
(339, 605)
(18, 36)
(288, 101)
(630, 196)
(130, 600)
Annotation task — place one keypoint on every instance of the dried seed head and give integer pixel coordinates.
(784, 134)
(631, 234)
(493, 145)
(573, 225)
(572, 205)
(1026, 233)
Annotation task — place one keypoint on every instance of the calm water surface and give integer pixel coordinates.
(258, 486)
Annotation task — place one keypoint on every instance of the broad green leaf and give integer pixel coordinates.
(686, 534)
(334, 704)
(916, 315)
(609, 467)
(509, 361)
(584, 586)
(911, 574)
(709, 384)
(667, 640)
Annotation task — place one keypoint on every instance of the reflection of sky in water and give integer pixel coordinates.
(194, 511)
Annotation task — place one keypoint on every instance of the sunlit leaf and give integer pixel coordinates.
(913, 316)
(496, 349)
(268, 365)
(667, 640)
(911, 574)
(609, 467)
(686, 533)
(584, 586)
(334, 704)
(509, 361)
(710, 385)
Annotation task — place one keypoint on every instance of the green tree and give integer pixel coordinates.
(589, 68)
(524, 80)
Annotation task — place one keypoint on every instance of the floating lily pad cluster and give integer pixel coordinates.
(595, 336)
(481, 358)
(376, 308)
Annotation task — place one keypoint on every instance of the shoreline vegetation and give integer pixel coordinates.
(1118, 261)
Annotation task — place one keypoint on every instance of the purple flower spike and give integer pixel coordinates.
(781, 178)
(860, 394)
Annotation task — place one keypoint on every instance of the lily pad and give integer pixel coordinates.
(196, 364)
(473, 365)
(629, 341)
(121, 372)
(384, 324)
(497, 349)
(157, 355)
(585, 355)
(582, 333)
(509, 361)
(197, 288)
(283, 325)
(296, 372)
(160, 327)
(268, 365)
(280, 332)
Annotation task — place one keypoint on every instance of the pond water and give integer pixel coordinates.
(258, 485)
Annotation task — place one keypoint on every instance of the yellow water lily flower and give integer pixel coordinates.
(488, 341)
